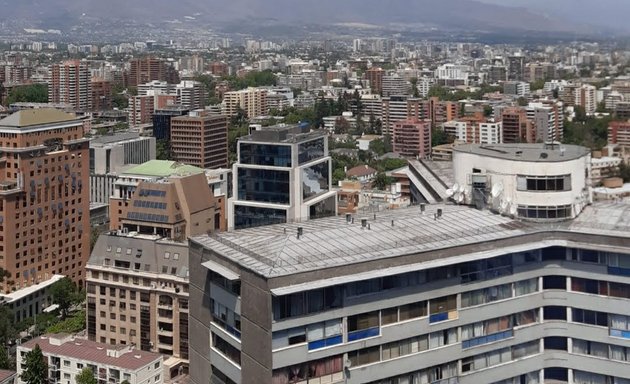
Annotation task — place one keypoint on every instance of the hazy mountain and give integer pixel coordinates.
(606, 14)
(461, 14)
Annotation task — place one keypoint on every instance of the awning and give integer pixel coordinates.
(221, 270)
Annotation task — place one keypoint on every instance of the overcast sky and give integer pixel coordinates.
(613, 13)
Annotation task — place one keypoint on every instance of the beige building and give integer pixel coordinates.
(137, 275)
(251, 100)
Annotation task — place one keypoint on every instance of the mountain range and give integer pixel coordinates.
(483, 15)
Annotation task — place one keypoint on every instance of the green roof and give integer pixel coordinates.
(163, 168)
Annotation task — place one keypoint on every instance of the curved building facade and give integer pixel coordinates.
(539, 182)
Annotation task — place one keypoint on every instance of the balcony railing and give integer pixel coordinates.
(443, 316)
(481, 340)
(226, 327)
(364, 334)
(327, 342)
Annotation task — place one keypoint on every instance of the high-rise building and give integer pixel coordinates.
(162, 120)
(200, 139)
(138, 273)
(283, 174)
(219, 69)
(619, 133)
(516, 67)
(45, 197)
(516, 127)
(396, 108)
(188, 93)
(516, 88)
(412, 138)
(101, 95)
(437, 294)
(70, 83)
(442, 111)
(394, 85)
(252, 101)
(586, 97)
(375, 77)
(141, 110)
(497, 74)
(547, 118)
(147, 69)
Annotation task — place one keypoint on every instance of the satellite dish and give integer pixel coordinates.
(456, 187)
(449, 193)
(504, 205)
(459, 198)
(466, 191)
(497, 189)
(462, 189)
(508, 200)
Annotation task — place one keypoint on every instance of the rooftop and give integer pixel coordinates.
(116, 138)
(37, 116)
(92, 352)
(526, 152)
(275, 250)
(24, 292)
(283, 134)
(163, 168)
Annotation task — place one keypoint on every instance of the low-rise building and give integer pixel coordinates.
(67, 355)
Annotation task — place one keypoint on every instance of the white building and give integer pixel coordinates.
(188, 93)
(66, 356)
(542, 182)
(456, 129)
(31, 301)
(586, 96)
(517, 88)
(394, 85)
(491, 132)
(453, 74)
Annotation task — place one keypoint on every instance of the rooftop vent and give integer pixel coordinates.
(363, 223)
(519, 153)
(348, 218)
(423, 207)
(439, 213)
(543, 155)
(300, 232)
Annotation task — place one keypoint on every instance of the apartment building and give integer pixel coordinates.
(516, 127)
(444, 294)
(70, 83)
(619, 133)
(412, 138)
(547, 119)
(66, 356)
(586, 97)
(396, 108)
(375, 77)
(200, 139)
(146, 69)
(44, 195)
(283, 174)
(189, 94)
(253, 101)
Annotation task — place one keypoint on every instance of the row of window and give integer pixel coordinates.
(499, 356)
(149, 204)
(543, 183)
(314, 301)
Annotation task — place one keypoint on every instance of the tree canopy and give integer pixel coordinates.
(86, 376)
(35, 93)
(65, 294)
(35, 370)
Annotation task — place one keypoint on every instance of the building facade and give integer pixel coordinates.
(412, 138)
(283, 174)
(44, 195)
(448, 295)
(252, 101)
(200, 139)
(70, 83)
(66, 356)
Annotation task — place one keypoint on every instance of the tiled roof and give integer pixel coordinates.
(92, 352)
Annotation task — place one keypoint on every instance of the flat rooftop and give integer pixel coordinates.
(162, 168)
(274, 251)
(293, 133)
(526, 152)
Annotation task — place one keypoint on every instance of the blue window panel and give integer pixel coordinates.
(438, 317)
(481, 340)
(317, 344)
(619, 271)
(363, 334)
(620, 333)
(334, 340)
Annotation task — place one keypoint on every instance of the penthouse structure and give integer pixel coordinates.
(283, 174)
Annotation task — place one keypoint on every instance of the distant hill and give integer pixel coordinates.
(460, 14)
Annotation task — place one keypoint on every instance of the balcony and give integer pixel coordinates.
(9, 187)
(364, 334)
(443, 316)
(481, 340)
(620, 333)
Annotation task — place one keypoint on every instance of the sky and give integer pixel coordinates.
(612, 13)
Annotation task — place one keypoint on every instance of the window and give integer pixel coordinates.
(545, 212)
(543, 183)
(363, 326)
(443, 304)
(589, 317)
(328, 369)
(414, 310)
(226, 349)
(486, 295)
(364, 356)
(405, 347)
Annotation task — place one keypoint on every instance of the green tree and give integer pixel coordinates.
(36, 93)
(378, 146)
(382, 181)
(64, 294)
(522, 101)
(86, 376)
(7, 328)
(5, 360)
(414, 87)
(162, 150)
(580, 113)
(35, 370)
(624, 172)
